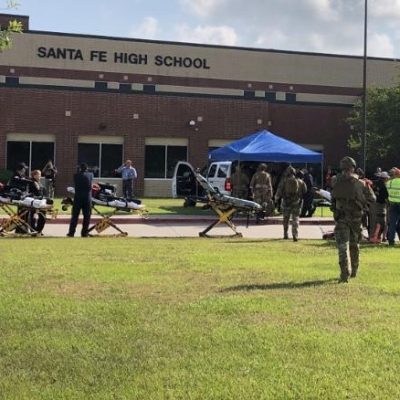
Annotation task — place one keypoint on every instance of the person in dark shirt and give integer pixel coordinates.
(49, 172)
(379, 209)
(19, 179)
(308, 208)
(82, 201)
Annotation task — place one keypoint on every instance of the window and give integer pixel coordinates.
(291, 97)
(223, 171)
(160, 160)
(101, 158)
(154, 162)
(89, 153)
(42, 152)
(34, 154)
(100, 85)
(212, 170)
(174, 154)
(111, 158)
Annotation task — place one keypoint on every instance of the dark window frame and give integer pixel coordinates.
(168, 165)
(98, 165)
(29, 161)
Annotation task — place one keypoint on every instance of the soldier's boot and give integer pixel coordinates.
(285, 229)
(354, 257)
(295, 239)
(354, 270)
(344, 274)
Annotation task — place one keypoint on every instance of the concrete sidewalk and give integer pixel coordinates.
(190, 226)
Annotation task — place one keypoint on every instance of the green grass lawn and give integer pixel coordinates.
(107, 318)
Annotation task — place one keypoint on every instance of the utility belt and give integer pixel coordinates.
(340, 213)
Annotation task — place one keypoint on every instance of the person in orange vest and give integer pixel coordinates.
(393, 188)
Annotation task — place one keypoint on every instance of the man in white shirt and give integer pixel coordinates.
(129, 175)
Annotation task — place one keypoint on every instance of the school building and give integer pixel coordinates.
(80, 98)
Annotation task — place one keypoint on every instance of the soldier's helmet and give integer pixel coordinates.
(262, 167)
(347, 163)
(290, 170)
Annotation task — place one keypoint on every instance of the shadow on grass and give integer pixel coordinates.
(320, 243)
(280, 285)
(240, 240)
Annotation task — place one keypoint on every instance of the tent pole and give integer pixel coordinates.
(322, 178)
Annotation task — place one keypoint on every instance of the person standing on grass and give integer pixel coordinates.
(291, 190)
(49, 172)
(308, 208)
(350, 198)
(393, 188)
(129, 176)
(82, 201)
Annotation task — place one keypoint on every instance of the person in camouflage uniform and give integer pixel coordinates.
(291, 190)
(350, 198)
(261, 189)
(240, 183)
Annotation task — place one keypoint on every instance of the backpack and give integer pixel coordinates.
(344, 188)
(347, 191)
(291, 187)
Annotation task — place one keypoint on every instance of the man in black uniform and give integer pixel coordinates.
(82, 200)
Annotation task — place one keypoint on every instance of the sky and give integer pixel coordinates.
(322, 26)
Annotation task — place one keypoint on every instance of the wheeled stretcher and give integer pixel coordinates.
(224, 206)
(18, 211)
(225, 215)
(104, 195)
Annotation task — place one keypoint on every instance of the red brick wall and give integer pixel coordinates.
(43, 111)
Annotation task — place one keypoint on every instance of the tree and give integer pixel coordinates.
(13, 27)
(383, 128)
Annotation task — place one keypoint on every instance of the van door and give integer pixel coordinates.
(184, 182)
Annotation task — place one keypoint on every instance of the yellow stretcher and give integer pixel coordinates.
(16, 223)
(225, 215)
(224, 206)
(106, 220)
(106, 217)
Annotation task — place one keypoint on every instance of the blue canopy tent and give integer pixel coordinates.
(265, 146)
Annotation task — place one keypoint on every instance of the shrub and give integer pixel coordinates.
(5, 175)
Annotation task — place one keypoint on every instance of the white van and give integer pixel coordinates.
(219, 175)
(184, 182)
